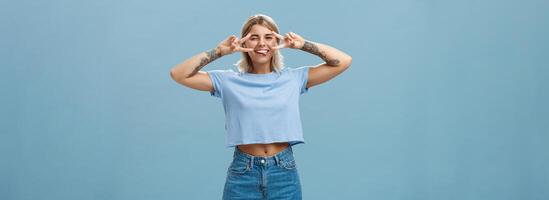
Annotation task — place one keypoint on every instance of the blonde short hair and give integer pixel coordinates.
(245, 61)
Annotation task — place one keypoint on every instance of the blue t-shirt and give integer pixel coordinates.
(261, 108)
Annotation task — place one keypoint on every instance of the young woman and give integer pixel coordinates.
(260, 101)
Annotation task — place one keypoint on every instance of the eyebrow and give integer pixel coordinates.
(268, 34)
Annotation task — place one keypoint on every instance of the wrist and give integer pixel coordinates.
(306, 44)
(218, 51)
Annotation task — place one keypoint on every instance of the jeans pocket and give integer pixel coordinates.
(239, 167)
(287, 164)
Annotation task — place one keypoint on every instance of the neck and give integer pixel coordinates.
(261, 68)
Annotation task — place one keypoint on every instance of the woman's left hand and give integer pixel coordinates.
(290, 40)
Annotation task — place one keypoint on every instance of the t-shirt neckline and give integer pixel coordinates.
(253, 74)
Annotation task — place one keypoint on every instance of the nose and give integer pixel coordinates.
(261, 42)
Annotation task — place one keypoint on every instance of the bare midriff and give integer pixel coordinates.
(263, 149)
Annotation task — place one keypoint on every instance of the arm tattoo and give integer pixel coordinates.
(211, 55)
(312, 48)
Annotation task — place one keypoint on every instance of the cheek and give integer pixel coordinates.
(272, 43)
(249, 43)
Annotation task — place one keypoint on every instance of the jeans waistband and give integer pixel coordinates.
(285, 155)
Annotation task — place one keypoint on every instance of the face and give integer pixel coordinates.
(261, 40)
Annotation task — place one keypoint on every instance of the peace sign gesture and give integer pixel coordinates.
(233, 44)
(291, 40)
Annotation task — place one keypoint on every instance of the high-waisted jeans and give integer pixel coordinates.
(257, 177)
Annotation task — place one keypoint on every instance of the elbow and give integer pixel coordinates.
(172, 75)
(347, 61)
(175, 76)
(340, 62)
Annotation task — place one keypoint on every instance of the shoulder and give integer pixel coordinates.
(221, 72)
(299, 71)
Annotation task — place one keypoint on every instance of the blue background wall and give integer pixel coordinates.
(444, 100)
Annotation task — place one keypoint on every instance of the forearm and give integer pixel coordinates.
(191, 66)
(330, 55)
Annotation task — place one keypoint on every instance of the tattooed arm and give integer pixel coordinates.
(188, 72)
(330, 55)
(191, 66)
(335, 61)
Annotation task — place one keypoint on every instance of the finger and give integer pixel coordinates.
(279, 47)
(236, 42)
(288, 40)
(234, 45)
(240, 44)
(247, 49)
(243, 49)
(280, 39)
(277, 35)
(245, 38)
(294, 36)
(231, 38)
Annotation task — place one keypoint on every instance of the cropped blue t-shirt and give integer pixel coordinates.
(261, 108)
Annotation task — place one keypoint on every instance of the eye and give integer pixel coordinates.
(269, 37)
(253, 38)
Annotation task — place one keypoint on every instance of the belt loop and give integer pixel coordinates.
(251, 162)
(235, 153)
(277, 160)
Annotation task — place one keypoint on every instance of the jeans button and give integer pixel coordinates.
(262, 161)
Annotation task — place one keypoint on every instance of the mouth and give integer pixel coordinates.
(262, 52)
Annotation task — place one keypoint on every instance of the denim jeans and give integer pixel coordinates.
(256, 177)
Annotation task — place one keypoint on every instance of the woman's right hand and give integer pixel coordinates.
(233, 44)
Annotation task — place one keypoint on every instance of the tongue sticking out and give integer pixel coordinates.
(262, 52)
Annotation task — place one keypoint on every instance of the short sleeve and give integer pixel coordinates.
(216, 78)
(302, 75)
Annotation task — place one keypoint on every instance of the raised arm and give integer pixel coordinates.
(188, 72)
(335, 61)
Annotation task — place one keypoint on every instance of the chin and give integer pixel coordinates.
(262, 60)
